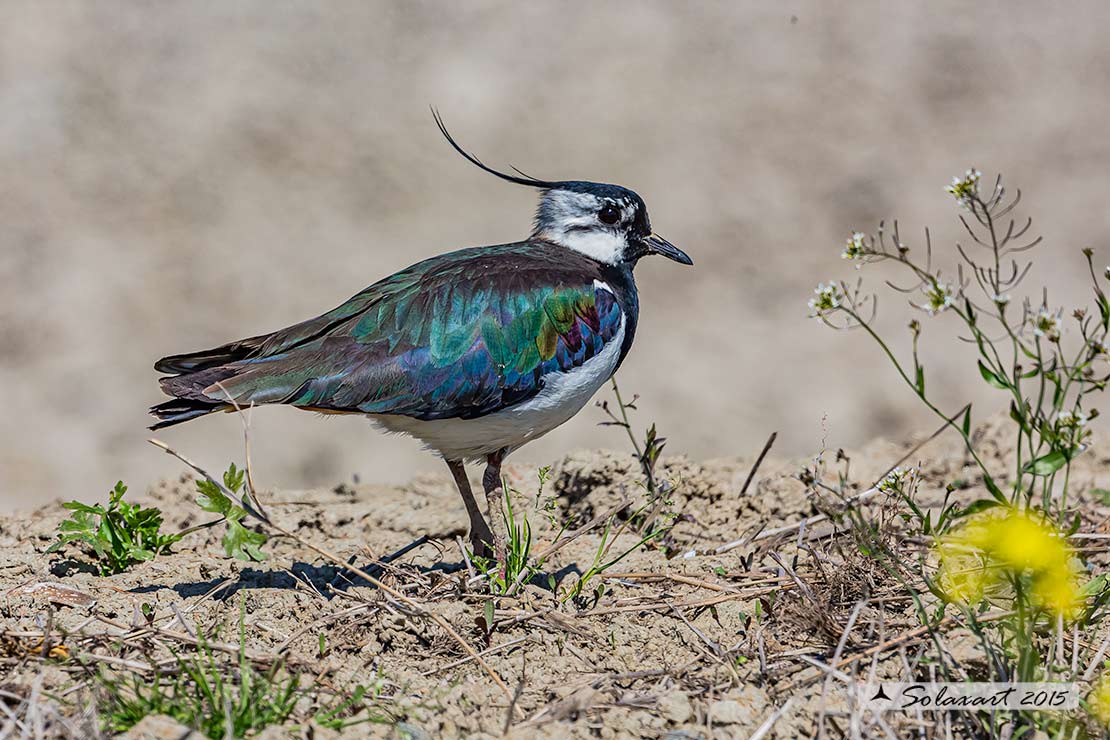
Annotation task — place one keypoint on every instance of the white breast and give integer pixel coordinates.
(561, 397)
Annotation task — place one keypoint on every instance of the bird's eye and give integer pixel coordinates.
(609, 215)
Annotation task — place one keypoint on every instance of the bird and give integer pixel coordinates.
(474, 352)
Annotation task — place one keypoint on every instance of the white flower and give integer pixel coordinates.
(1101, 346)
(896, 480)
(1069, 419)
(940, 296)
(854, 247)
(826, 299)
(1000, 299)
(1048, 324)
(966, 188)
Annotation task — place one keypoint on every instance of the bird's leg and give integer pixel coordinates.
(480, 535)
(492, 482)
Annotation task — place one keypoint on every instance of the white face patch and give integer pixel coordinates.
(603, 246)
(570, 219)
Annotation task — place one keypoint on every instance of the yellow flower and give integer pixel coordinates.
(996, 545)
(1058, 591)
(1022, 542)
(962, 576)
(1098, 701)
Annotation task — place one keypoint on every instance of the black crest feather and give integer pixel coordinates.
(523, 179)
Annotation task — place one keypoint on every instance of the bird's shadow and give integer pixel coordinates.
(324, 580)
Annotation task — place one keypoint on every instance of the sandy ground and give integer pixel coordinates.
(647, 657)
(172, 177)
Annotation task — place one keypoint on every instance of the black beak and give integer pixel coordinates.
(658, 245)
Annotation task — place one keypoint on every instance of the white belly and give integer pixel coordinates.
(561, 397)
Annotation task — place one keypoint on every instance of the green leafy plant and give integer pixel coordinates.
(116, 536)
(658, 515)
(204, 693)
(201, 696)
(238, 541)
(348, 710)
(1009, 550)
(121, 534)
(1023, 350)
(519, 567)
(603, 559)
(221, 697)
(647, 452)
(518, 547)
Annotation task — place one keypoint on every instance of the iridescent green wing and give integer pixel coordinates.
(458, 336)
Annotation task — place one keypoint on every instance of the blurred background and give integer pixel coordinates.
(175, 175)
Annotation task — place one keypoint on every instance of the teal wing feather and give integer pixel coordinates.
(458, 336)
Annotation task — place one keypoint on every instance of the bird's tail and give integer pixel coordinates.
(189, 399)
(178, 410)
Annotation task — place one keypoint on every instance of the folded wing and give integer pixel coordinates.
(458, 336)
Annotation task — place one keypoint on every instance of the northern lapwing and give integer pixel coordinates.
(474, 352)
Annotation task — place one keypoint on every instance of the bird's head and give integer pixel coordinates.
(607, 223)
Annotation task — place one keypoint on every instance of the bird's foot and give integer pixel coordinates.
(497, 538)
(481, 538)
(495, 504)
